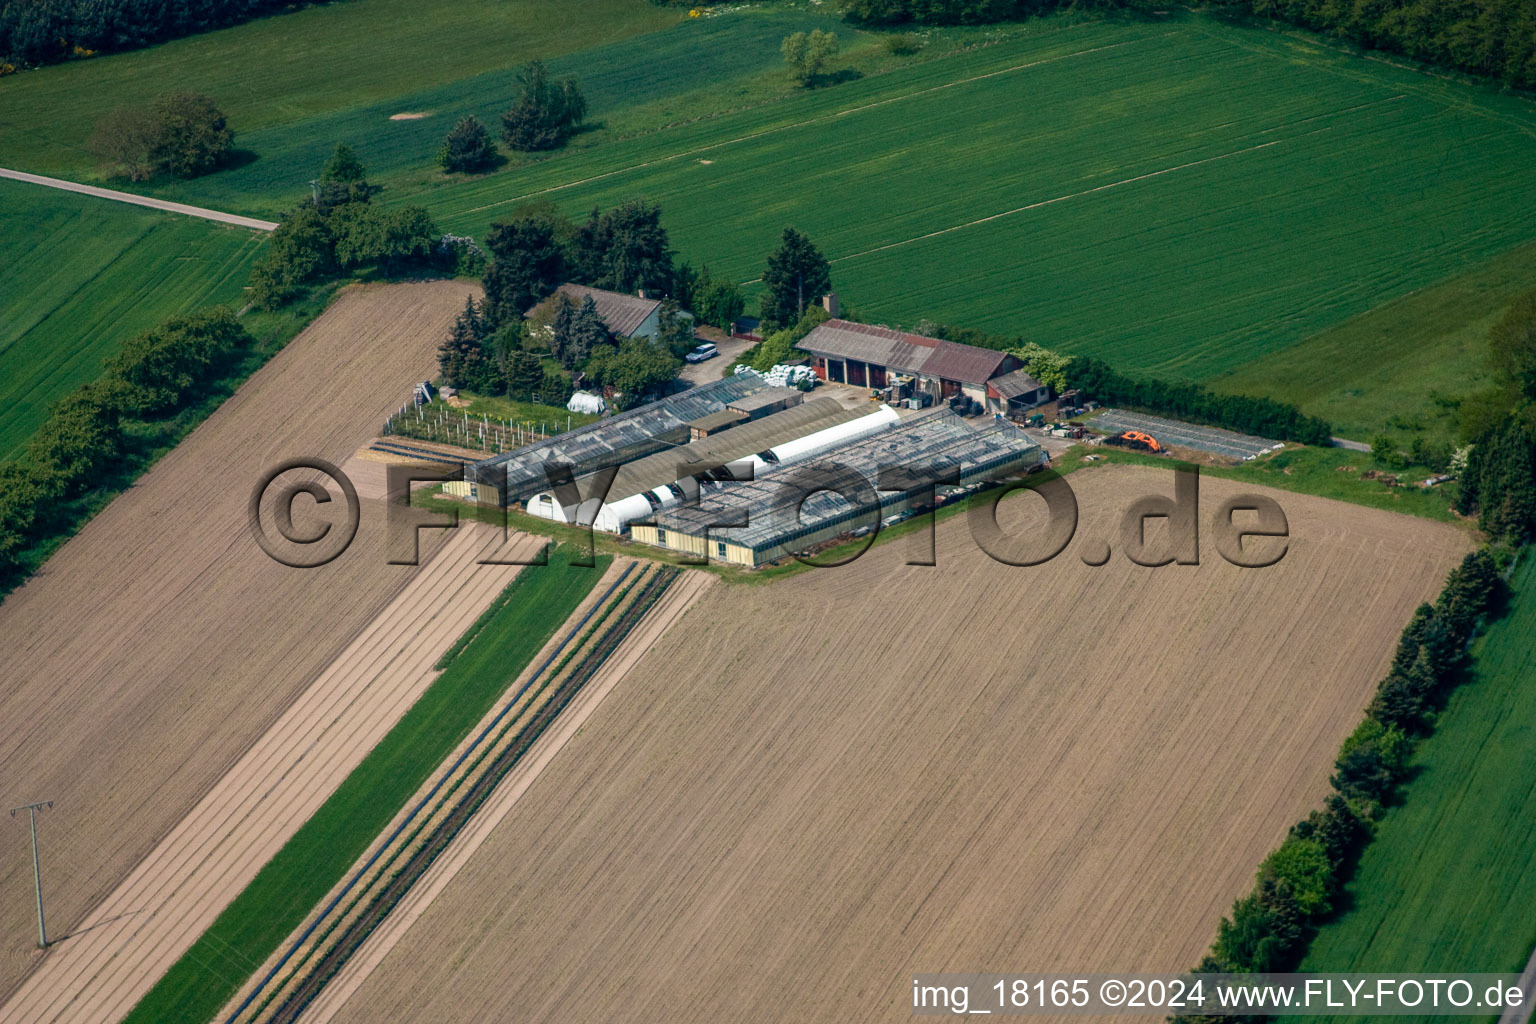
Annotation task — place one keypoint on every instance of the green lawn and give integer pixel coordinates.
(498, 407)
(1390, 365)
(1450, 880)
(327, 845)
(305, 64)
(83, 275)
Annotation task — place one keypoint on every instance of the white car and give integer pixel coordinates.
(703, 352)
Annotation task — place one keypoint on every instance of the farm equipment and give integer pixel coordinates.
(1136, 439)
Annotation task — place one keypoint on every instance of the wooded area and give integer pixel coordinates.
(34, 33)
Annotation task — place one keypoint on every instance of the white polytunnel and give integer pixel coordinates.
(616, 515)
(831, 437)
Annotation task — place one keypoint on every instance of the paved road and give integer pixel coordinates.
(129, 197)
(1354, 446)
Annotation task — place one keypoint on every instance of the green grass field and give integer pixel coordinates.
(305, 64)
(327, 845)
(1450, 880)
(1406, 360)
(1180, 197)
(82, 276)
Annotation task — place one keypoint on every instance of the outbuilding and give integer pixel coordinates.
(1015, 392)
(869, 356)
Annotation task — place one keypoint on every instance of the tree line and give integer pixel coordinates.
(1298, 883)
(1493, 39)
(1498, 482)
(1196, 404)
(942, 12)
(36, 32)
(90, 433)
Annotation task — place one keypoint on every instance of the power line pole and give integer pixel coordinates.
(37, 877)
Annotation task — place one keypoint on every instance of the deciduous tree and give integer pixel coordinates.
(162, 366)
(637, 369)
(194, 134)
(127, 141)
(807, 53)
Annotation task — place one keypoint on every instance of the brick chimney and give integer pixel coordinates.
(829, 303)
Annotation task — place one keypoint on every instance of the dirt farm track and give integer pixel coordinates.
(806, 791)
(160, 643)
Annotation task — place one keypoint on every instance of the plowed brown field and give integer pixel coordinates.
(160, 643)
(807, 791)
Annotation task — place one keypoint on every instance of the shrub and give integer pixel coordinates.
(1303, 866)
(459, 256)
(1384, 452)
(160, 367)
(80, 438)
(779, 347)
(902, 44)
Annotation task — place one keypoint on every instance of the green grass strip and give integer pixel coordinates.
(1449, 881)
(483, 620)
(311, 863)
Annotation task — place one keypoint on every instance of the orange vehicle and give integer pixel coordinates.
(1137, 439)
